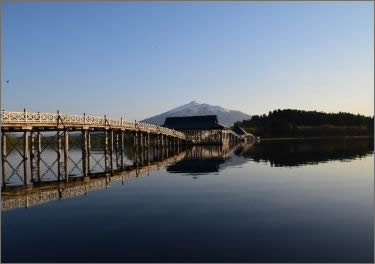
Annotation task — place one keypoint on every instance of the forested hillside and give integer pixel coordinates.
(299, 123)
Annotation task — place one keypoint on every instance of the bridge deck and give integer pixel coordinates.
(17, 121)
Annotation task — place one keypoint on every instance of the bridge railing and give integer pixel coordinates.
(57, 118)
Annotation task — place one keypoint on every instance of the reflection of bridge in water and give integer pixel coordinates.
(145, 162)
(19, 196)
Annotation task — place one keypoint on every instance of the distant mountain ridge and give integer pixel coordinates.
(225, 116)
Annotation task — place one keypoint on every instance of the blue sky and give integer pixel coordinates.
(140, 59)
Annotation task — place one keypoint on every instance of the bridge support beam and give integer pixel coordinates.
(66, 154)
(58, 151)
(135, 135)
(148, 153)
(116, 141)
(88, 152)
(105, 151)
(84, 151)
(25, 157)
(142, 155)
(3, 157)
(141, 140)
(35, 151)
(122, 137)
(111, 150)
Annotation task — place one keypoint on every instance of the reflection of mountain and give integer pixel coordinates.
(196, 166)
(313, 151)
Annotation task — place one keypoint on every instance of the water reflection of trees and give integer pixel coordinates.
(303, 152)
(281, 153)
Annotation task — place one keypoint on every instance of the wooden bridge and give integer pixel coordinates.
(115, 132)
(55, 130)
(25, 121)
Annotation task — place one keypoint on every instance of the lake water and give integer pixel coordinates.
(280, 201)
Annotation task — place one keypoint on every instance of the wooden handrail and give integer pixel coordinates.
(48, 118)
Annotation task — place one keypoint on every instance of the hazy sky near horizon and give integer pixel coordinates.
(140, 59)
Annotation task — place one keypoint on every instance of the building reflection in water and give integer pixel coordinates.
(201, 160)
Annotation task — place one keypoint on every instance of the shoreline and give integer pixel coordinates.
(309, 138)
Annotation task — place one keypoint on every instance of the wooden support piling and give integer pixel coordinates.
(84, 151)
(117, 149)
(111, 150)
(105, 151)
(38, 156)
(66, 154)
(3, 157)
(135, 135)
(122, 148)
(58, 152)
(88, 152)
(142, 156)
(25, 156)
(141, 140)
(32, 146)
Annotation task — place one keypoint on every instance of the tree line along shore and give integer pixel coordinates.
(290, 123)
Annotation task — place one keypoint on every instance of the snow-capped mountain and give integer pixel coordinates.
(226, 117)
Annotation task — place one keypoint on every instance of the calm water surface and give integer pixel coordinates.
(285, 201)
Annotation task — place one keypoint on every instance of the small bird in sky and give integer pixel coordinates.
(7, 81)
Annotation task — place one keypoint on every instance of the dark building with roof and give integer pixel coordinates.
(202, 129)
